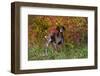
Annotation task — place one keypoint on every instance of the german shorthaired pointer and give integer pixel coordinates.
(55, 37)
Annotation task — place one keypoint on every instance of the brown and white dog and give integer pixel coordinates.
(55, 37)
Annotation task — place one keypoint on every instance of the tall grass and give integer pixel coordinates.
(67, 52)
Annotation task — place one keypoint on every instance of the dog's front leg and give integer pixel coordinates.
(47, 45)
(46, 50)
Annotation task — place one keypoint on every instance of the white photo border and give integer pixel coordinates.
(41, 64)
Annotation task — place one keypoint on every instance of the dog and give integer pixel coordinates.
(55, 37)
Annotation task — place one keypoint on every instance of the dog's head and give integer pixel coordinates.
(60, 28)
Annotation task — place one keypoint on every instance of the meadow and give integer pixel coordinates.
(38, 53)
(75, 37)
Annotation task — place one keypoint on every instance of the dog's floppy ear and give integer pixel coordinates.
(63, 28)
(58, 28)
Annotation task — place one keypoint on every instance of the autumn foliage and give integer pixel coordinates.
(76, 29)
(75, 33)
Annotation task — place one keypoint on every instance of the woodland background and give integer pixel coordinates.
(75, 37)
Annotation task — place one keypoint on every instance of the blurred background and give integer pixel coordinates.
(75, 36)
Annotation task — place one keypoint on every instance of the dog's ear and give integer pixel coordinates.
(63, 28)
(58, 28)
